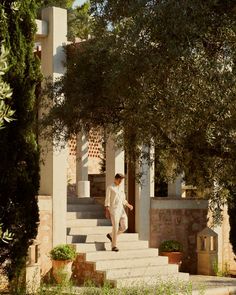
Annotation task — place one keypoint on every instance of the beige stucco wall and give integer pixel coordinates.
(226, 257)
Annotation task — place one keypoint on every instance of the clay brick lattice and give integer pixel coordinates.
(72, 146)
(95, 144)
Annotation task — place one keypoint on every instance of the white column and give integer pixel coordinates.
(82, 183)
(115, 162)
(175, 188)
(54, 162)
(144, 191)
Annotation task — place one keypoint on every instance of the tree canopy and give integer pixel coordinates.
(80, 22)
(163, 72)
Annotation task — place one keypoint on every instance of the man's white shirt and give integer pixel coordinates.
(115, 198)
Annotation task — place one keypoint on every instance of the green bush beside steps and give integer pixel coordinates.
(171, 246)
(63, 252)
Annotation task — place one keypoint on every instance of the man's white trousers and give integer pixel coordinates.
(119, 222)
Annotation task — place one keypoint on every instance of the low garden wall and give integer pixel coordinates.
(181, 220)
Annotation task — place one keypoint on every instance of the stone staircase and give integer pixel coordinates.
(134, 264)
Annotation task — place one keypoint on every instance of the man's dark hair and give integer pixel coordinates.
(119, 176)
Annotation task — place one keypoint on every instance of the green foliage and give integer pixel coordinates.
(5, 91)
(163, 71)
(6, 236)
(171, 246)
(19, 155)
(225, 272)
(58, 3)
(63, 252)
(160, 287)
(80, 22)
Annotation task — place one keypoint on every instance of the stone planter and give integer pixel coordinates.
(173, 257)
(62, 270)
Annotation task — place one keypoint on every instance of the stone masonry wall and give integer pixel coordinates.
(3, 282)
(181, 220)
(84, 271)
(44, 237)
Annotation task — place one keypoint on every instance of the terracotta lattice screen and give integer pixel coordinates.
(95, 144)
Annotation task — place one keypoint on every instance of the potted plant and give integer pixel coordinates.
(62, 257)
(173, 250)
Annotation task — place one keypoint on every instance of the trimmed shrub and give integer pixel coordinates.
(63, 252)
(171, 246)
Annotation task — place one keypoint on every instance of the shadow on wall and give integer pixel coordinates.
(97, 186)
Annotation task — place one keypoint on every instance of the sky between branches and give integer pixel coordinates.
(79, 2)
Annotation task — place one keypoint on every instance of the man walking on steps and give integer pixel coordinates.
(114, 203)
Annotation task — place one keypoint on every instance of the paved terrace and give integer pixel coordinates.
(211, 285)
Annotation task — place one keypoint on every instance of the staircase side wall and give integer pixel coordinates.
(44, 237)
(181, 220)
(84, 272)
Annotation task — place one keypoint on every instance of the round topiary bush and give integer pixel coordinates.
(171, 246)
(63, 252)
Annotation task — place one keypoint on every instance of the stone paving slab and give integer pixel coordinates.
(213, 285)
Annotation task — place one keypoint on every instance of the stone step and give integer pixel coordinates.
(75, 200)
(178, 278)
(87, 222)
(85, 215)
(85, 208)
(99, 238)
(106, 247)
(89, 247)
(131, 245)
(130, 263)
(124, 254)
(87, 230)
(101, 246)
(152, 270)
(134, 264)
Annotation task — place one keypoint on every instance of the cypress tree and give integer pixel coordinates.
(19, 153)
(5, 91)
